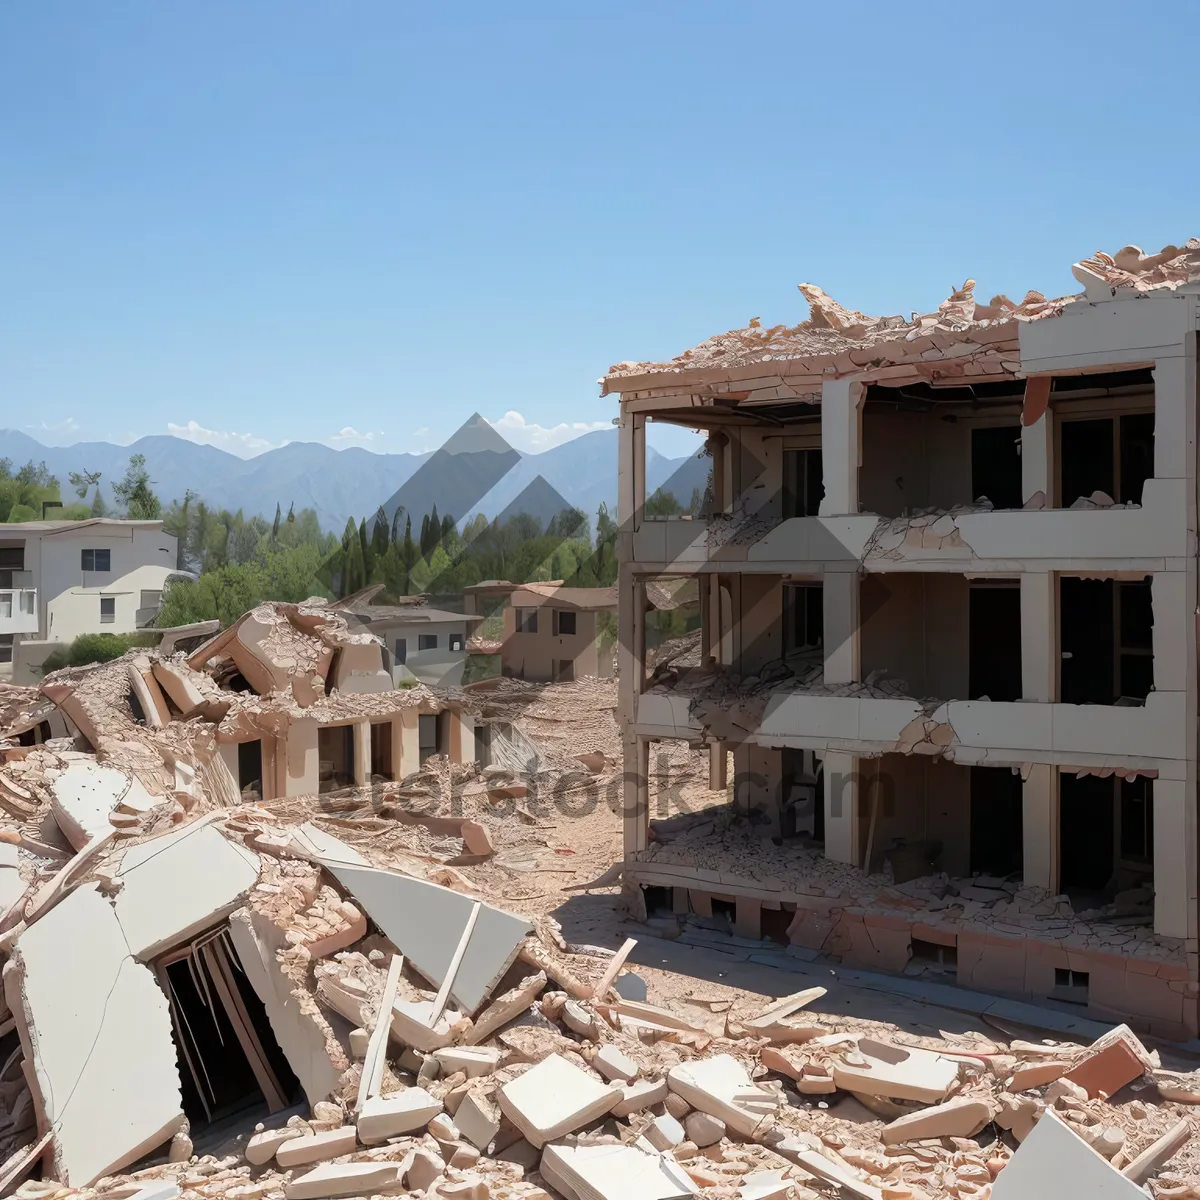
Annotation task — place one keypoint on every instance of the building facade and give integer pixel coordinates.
(949, 592)
(555, 634)
(59, 579)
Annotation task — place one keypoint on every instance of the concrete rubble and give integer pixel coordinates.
(404, 1017)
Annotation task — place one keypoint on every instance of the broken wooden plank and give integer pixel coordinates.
(373, 1064)
(614, 966)
(460, 950)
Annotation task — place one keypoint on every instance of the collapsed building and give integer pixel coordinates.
(949, 595)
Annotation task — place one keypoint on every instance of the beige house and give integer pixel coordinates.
(554, 633)
(59, 579)
(949, 594)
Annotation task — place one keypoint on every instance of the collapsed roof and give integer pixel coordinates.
(833, 332)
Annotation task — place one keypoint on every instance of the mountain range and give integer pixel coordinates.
(475, 471)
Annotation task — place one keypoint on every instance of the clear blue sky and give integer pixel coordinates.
(332, 221)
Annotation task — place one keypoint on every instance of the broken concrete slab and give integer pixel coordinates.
(425, 922)
(614, 1064)
(1053, 1162)
(640, 1094)
(765, 1185)
(722, 1087)
(1113, 1061)
(260, 1149)
(331, 1180)
(609, 1172)
(898, 1072)
(383, 1117)
(180, 884)
(316, 1147)
(304, 1040)
(148, 694)
(180, 688)
(1035, 1074)
(83, 796)
(478, 1120)
(554, 1098)
(664, 1133)
(961, 1117)
(472, 1061)
(506, 1008)
(84, 1005)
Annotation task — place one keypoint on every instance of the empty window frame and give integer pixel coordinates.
(456, 641)
(564, 622)
(427, 735)
(1106, 634)
(996, 465)
(108, 610)
(527, 620)
(401, 650)
(150, 599)
(994, 656)
(1113, 455)
(804, 614)
(427, 641)
(803, 484)
(95, 560)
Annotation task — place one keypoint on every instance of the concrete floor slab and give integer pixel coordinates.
(178, 885)
(98, 1036)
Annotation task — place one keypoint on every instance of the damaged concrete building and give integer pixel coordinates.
(949, 593)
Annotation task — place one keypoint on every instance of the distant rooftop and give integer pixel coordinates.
(76, 526)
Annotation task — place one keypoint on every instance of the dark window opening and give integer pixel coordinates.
(804, 612)
(427, 641)
(659, 901)
(1070, 986)
(1106, 631)
(565, 671)
(6, 647)
(95, 560)
(229, 1061)
(381, 749)
(1086, 844)
(401, 650)
(250, 769)
(774, 924)
(802, 806)
(36, 736)
(526, 620)
(994, 657)
(108, 610)
(483, 745)
(564, 622)
(996, 465)
(725, 910)
(1112, 455)
(1137, 819)
(925, 955)
(427, 735)
(997, 846)
(456, 641)
(335, 757)
(803, 483)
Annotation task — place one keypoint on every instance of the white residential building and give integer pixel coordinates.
(59, 579)
(949, 592)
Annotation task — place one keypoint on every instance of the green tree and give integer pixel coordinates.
(83, 482)
(275, 523)
(396, 522)
(380, 539)
(134, 492)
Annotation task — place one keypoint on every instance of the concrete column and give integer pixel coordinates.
(1037, 459)
(1174, 418)
(1173, 619)
(1039, 636)
(1039, 827)
(1174, 885)
(303, 758)
(839, 595)
(362, 752)
(635, 792)
(397, 746)
(841, 445)
(841, 781)
(718, 766)
(409, 746)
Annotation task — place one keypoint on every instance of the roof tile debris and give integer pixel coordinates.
(839, 340)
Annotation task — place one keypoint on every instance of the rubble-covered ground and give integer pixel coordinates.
(641, 1085)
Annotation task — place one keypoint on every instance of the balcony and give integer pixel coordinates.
(874, 719)
(18, 610)
(969, 538)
